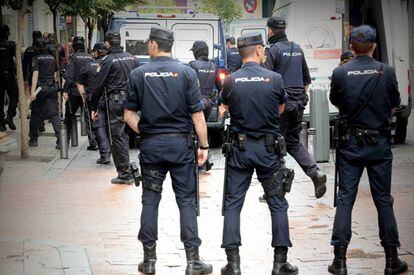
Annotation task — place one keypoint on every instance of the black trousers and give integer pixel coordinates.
(100, 132)
(8, 84)
(291, 126)
(45, 106)
(120, 140)
(352, 159)
(241, 165)
(72, 105)
(168, 154)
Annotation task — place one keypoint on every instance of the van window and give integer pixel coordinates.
(185, 34)
(134, 36)
(262, 31)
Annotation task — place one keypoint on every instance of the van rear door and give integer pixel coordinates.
(186, 32)
(243, 26)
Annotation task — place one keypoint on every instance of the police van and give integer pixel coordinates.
(135, 28)
(322, 27)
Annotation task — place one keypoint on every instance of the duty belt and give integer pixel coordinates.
(270, 141)
(174, 134)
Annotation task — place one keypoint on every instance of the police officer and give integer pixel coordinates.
(346, 56)
(209, 80)
(28, 55)
(168, 95)
(7, 78)
(366, 93)
(85, 81)
(77, 62)
(234, 61)
(45, 103)
(254, 132)
(113, 75)
(287, 58)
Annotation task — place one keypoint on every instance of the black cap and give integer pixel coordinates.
(113, 38)
(161, 34)
(99, 46)
(78, 40)
(4, 31)
(347, 55)
(250, 39)
(198, 45)
(363, 33)
(276, 22)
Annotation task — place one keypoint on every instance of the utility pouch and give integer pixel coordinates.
(359, 133)
(372, 136)
(280, 146)
(241, 139)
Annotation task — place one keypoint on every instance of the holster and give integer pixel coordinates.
(136, 174)
(241, 139)
(279, 145)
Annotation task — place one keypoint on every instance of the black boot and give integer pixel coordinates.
(9, 121)
(33, 142)
(233, 263)
(338, 265)
(319, 182)
(3, 126)
(280, 264)
(393, 265)
(147, 266)
(194, 265)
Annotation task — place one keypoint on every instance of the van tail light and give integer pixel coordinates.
(409, 83)
(222, 74)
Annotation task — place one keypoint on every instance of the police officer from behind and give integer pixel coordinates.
(85, 81)
(28, 55)
(74, 101)
(113, 75)
(7, 79)
(366, 93)
(234, 61)
(254, 132)
(287, 58)
(168, 95)
(45, 103)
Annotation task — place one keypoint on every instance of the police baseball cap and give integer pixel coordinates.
(113, 38)
(78, 40)
(250, 39)
(198, 45)
(99, 46)
(363, 33)
(160, 33)
(276, 22)
(348, 54)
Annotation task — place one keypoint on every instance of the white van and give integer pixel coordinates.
(321, 27)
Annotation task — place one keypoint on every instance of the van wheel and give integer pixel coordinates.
(215, 138)
(400, 130)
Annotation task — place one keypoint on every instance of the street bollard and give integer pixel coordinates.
(319, 119)
(304, 134)
(312, 141)
(74, 132)
(63, 141)
(83, 122)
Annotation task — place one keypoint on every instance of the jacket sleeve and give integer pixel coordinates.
(70, 74)
(337, 85)
(305, 71)
(100, 81)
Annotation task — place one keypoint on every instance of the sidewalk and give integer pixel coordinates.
(64, 217)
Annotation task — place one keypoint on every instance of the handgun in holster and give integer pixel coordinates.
(136, 173)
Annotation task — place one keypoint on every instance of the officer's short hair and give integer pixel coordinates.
(163, 45)
(361, 47)
(247, 52)
(231, 40)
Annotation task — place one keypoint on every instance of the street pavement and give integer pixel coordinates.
(64, 217)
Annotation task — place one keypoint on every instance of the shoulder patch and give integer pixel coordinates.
(105, 57)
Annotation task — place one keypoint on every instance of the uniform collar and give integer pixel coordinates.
(161, 58)
(115, 50)
(251, 64)
(363, 57)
